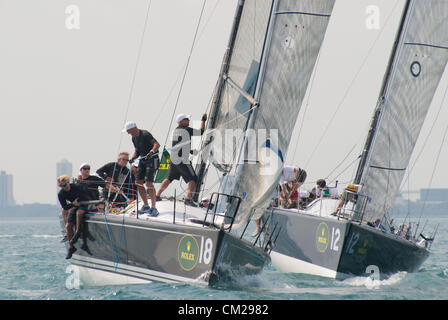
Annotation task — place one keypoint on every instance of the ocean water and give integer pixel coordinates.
(33, 267)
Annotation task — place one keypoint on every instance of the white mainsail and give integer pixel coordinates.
(418, 64)
(273, 58)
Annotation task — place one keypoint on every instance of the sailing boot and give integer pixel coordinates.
(70, 252)
(75, 238)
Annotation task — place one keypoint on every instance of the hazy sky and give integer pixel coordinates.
(64, 91)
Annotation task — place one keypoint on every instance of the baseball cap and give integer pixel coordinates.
(182, 116)
(129, 125)
(84, 164)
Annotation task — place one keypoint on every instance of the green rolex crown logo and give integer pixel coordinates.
(188, 252)
(322, 237)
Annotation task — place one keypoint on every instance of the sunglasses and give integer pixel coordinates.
(85, 168)
(124, 159)
(63, 185)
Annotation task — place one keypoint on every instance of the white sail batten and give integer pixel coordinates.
(420, 61)
(294, 38)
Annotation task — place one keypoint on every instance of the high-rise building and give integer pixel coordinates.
(6, 190)
(64, 167)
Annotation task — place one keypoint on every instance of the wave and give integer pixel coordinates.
(7, 236)
(371, 283)
(45, 236)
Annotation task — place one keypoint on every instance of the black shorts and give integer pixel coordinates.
(147, 169)
(183, 170)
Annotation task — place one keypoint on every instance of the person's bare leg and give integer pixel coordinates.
(142, 192)
(151, 193)
(64, 215)
(163, 186)
(69, 231)
(79, 220)
(190, 189)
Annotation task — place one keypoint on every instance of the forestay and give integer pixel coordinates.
(409, 87)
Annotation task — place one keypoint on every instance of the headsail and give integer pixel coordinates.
(292, 34)
(410, 83)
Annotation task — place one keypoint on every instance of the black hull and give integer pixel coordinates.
(339, 248)
(139, 250)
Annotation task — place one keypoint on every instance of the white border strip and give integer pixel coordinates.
(132, 271)
(286, 263)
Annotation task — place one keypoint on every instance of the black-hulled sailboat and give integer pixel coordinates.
(208, 245)
(355, 236)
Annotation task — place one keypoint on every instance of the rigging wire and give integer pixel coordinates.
(162, 108)
(186, 69)
(425, 143)
(434, 169)
(432, 175)
(131, 91)
(350, 85)
(340, 164)
(306, 105)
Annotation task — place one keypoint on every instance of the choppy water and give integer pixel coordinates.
(32, 267)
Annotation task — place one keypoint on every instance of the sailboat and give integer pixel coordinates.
(271, 53)
(355, 235)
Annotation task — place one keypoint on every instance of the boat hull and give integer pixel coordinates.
(335, 248)
(128, 250)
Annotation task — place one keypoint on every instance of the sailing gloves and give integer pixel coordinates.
(149, 155)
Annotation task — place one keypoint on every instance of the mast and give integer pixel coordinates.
(384, 88)
(419, 60)
(200, 168)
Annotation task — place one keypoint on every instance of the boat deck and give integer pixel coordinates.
(319, 207)
(177, 212)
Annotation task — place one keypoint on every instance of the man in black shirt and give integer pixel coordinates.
(180, 163)
(92, 182)
(147, 148)
(119, 180)
(70, 197)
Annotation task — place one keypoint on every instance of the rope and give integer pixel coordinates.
(111, 241)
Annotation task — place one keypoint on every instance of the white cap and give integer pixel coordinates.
(129, 125)
(182, 116)
(84, 164)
